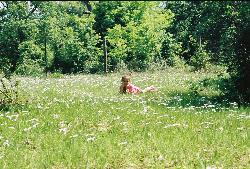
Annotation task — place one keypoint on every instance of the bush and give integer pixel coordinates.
(156, 66)
(8, 92)
(200, 59)
(121, 67)
(138, 42)
(240, 64)
(30, 67)
(171, 50)
(31, 61)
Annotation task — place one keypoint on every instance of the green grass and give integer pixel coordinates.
(82, 122)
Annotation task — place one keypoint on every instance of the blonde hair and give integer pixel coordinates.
(124, 79)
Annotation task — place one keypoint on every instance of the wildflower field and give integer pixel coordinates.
(81, 121)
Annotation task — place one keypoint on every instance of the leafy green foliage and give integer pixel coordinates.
(235, 48)
(9, 92)
(31, 59)
(200, 59)
(71, 39)
(55, 37)
(171, 51)
(219, 33)
(138, 41)
(12, 33)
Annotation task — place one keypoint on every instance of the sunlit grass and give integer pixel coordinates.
(82, 121)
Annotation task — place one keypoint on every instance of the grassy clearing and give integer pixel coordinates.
(82, 122)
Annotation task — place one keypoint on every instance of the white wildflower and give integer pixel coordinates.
(27, 129)
(6, 143)
(172, 125)
(13, 117)
(64, 130)
(123, 143)
(160, 158)
(55, 116)
(76, 135)
(213, 167)
(89, 139)
(240, 128)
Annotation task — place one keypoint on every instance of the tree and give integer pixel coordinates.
(37, 36)
(223, 28)
(12, 32)
(134, 30)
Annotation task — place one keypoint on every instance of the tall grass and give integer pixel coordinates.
(81, 121)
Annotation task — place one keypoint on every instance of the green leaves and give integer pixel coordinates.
(135, 32)
(54, 32)
(137, 40)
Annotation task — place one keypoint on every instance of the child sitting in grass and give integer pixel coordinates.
(128, 87)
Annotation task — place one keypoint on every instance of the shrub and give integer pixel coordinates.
(200, 59)
(31, 61)
(9, 94)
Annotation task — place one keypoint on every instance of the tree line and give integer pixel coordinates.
(60, 36)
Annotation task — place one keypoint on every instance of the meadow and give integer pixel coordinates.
(81, 121)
